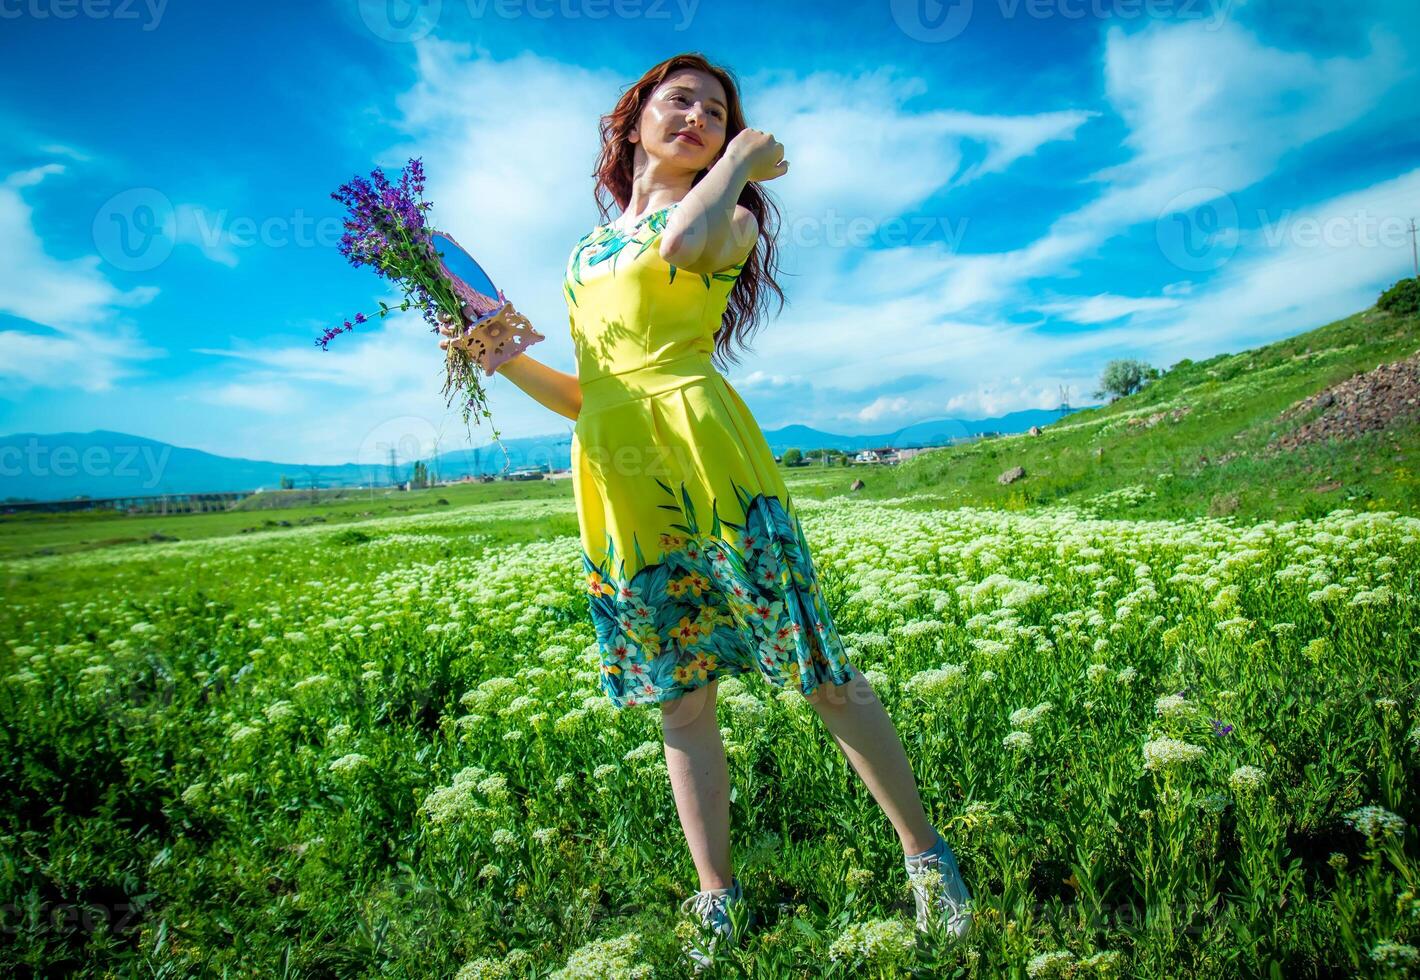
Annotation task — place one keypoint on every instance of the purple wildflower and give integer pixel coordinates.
(1219, 728)
(386, 229)
(330, 335)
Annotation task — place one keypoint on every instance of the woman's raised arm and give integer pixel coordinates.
(553, 389)
(710, 230)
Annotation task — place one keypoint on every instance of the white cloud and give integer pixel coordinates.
(63, 150)
(90, 362)
(83, 347)
(1105, 307)
(864, 145)
(33, 286)
(764, 379)
(1208, 110)
(378, 358)
(1220, 109)
(272, 397)
(205, 229)
(1318, 264)
(885, 406)
(507, 148)
(985, 401)
(376, 387)
(1204, 107)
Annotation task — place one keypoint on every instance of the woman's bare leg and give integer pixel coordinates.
(866, 735)
(700, 780)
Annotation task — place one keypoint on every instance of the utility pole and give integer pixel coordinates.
(1414, 253)
(394, 471)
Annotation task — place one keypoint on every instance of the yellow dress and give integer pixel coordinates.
(695, 560)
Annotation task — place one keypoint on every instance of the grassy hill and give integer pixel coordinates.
(1202, 439)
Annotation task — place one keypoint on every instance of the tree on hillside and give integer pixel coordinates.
(1402, 298)
(792, 457)
(1124, 377)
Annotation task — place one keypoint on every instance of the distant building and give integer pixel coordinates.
(889, 455)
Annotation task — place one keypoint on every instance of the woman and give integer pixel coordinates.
(696, 563)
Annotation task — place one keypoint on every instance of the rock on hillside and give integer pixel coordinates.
(1378, 399)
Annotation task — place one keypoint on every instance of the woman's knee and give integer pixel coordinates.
(690, 707)
(831, 695)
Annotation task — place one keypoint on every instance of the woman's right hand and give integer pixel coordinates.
(761, 151)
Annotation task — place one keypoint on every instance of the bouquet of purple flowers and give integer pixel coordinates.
(386, 230)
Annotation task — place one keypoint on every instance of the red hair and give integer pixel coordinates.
(615, 170)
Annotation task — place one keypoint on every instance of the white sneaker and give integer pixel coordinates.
(939, 890)
(711, 908)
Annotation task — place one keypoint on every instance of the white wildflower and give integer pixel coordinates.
(347, 764)
(1375, 821)
(1170, 753)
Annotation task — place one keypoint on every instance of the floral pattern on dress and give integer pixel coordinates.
(605, 244)
(708, 608)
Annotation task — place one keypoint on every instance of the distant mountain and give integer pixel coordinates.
(64, 465)
(105, 464)
(933, 433)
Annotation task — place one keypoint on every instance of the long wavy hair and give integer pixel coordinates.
(748, 298)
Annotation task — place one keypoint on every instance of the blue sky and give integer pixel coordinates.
(987, 199)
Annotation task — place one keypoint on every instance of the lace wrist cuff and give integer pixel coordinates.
(500, 336)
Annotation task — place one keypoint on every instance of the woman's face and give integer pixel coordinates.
(683, 122)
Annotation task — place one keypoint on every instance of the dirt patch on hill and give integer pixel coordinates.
(1380, 399)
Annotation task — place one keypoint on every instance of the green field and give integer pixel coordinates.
(1165, 713)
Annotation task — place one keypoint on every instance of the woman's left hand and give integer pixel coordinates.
(453, 332)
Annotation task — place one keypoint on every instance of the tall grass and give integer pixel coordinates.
(1160, 749)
